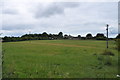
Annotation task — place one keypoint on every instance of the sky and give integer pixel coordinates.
(19, 17)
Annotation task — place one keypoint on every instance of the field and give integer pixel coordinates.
(59, 59)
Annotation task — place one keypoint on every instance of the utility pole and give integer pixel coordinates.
(107, 36)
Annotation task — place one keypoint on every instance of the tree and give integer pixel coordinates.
(44, 36)
(100, 36)
(79, 36)
(60, 35)
(66, 36)
(89, 36)
(118, 36)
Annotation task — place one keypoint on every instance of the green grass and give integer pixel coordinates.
(58, 59)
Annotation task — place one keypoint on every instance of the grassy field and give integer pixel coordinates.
(59, 59)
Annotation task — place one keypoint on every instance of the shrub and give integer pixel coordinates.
(108, 57)
(118, 44)
(104, 60)
(108, 61)
(107, 52)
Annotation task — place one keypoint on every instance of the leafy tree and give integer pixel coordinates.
(118, 36)
(79, 36)
(60, 35)
(44, 34)
(100, 36)
(66, 36)
(89, 36)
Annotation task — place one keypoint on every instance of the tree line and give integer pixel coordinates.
(45, 36)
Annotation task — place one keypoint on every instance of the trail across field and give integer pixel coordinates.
(58, 59)
(66, 45)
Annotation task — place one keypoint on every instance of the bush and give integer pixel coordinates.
(107, 58)
(118, 44)
(107, 52)
(108, 61)
(104, 60)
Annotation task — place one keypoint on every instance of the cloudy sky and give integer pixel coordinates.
(74, 18)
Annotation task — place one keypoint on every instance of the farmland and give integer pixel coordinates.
(59, 59)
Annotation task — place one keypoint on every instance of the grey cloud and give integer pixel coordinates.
(70, 4)
(9, 11)
(51, 10)
(54, 8)
(14, 32)
(16, 27)
(94, 24)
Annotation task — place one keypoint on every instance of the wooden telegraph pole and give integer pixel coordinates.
(107, 36)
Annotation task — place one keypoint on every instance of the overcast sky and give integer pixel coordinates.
(74, 18)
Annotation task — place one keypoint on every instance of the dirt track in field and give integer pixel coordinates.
(58, 44)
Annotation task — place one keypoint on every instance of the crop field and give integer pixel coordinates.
(59, 59)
